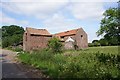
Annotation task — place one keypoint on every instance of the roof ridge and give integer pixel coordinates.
(37, 31)
(35, 28)
(68, 30)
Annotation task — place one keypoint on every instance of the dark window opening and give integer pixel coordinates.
(62, 37)
(40, 35)
(81, 36)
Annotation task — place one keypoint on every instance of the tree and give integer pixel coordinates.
(55, 45)
(110, 26)
(103, 42)
(96, 44)
(91, 44)
(11, 35)
(95, 41)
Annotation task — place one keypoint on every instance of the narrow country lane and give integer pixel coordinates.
(9, 66)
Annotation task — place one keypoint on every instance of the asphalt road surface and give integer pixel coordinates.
(9, 66)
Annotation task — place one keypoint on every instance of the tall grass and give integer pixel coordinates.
(95, 62)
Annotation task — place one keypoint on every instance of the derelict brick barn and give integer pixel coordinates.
(35, 39)
(38, 39)
(72, 38)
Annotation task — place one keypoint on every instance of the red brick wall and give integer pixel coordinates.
(39, 42)
(26, 41)
(34, 42)
(25, 47)
(82, 42)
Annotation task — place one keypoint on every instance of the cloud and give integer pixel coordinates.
(34, 0)
(59, 0)
(85, 10)
(58, 23)
(94, 0)
(41, 9)
(6, 20)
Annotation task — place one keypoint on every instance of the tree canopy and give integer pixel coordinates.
(55, 45)
(11, 35)
(110, 27)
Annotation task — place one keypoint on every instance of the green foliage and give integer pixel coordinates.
(25, 57)
(109, 58)
(42, 55)
(110, 26)
(91, 44)
(0, 43)
(55, 45)
(11, 35)
(6, 42)
(103, 42)
(95, 62)
(17, 49)
(94, 43)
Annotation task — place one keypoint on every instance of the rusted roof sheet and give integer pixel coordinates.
(66, 33)
(37, 31)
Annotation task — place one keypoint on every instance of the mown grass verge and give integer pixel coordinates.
(95, 62)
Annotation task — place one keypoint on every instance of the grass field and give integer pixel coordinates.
(105, 49)
(94, 62)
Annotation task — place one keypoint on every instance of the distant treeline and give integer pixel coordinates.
(104, 42)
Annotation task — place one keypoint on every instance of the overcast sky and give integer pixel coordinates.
(56, 15)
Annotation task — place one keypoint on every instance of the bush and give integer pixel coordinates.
(17, 49)
(109, 58)
(55, 45)
(96, 44)
(91, 44)
(111, 63)
(76, 64)
(103, 42)
(43, 55)
(25, 58)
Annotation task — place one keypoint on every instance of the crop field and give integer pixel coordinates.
(94, 62)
